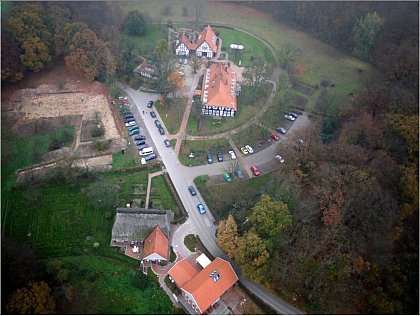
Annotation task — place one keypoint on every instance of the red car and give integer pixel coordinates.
(275, 136)
(255, 171)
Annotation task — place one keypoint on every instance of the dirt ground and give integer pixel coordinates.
(240, 303)
(58, 92)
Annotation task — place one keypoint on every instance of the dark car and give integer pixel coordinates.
(150, 104)
(239, 173)
(219, 157)
(140, 142)
(140, 147)
(139, 137)
(150, 157)
(167, 143)
(153, 114)
(157, 123)
(281, 130)
(192, 190)
(209, 158)
(128, 115)
(161, 130)
(134, 132)
(129, 119)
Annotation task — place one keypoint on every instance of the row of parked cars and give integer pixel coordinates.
(219, 156)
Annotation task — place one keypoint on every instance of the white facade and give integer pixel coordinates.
(204, 50)
(182, 50)
(154, 257)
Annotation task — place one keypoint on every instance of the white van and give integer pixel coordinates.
(146, 151)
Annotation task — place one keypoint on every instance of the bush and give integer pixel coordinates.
(141, 280)
(97, 131)
(54, 144)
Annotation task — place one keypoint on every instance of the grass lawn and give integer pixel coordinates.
(252, 46)
(109, 288)
(172, 114)
(120, 161)
(144, 45)
(164, 194)
(25, 151)
(251, 135)
(56, 219)
(200, 148)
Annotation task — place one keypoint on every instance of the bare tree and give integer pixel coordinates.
(199, 10)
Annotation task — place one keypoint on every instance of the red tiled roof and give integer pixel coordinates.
(145, 64)
(203, 287)
(184, 40)
(207, 35)
(219, 87)
(182, 272)
(156, 243)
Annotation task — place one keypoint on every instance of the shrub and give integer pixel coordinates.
(97, 131)
(54, 144)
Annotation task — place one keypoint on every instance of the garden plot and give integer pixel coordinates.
(298, 86)
(297, 100)
(47, 102)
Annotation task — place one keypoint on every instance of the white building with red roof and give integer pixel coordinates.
(202, 289)
(156, 246)
(219, 91)
(206, 45)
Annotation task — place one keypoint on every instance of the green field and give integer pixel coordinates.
(200, 148)
(57, 219)
(252, 46)
(120, 161)
(108, 288)
(318, 60)
(251, 136)
(172, 114)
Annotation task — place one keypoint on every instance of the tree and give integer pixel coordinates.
(141, 280)
(269, 217)
(135, 23)
(57, 17)
(11, 67)
(255, 73)
(199, 12)
(364, 33)
(102, 194)
(287, 55)
(35, 298)
(252, 256)
(175, 83)
(36, 55)
(227, 236)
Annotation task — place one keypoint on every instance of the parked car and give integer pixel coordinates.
(128, 116)
(281, 130)
(131, 123)
(150, 104)
(227, 177)
(239, 173)
(161, 130)
(157, 123)
(167, 143)
(280, 158)
(140, 142)
(133, 127)
(255, 171)
(249, 148)
(129, 119)
(244, 151)
(192, 190)
(139, 137)
(140, 147)
(201, 208)
(150, 157)
(133, 132)
(289, 117)
(275, 136)
(293, 114)
(219, 157)
(152, 114)
(232, 154)
(209, 158)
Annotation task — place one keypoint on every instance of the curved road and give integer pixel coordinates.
(182, 177)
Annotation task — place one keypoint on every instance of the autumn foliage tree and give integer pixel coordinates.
(36, 298)
(227, 236)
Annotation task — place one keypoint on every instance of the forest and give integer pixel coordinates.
(336, 231)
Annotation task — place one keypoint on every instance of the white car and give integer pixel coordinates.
(232, 154)
(132, 123)
(289, 117)
(249, 148)
(279, 158)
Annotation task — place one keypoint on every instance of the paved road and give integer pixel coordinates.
(182, 177)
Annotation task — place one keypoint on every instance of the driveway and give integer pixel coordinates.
(182, 177)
